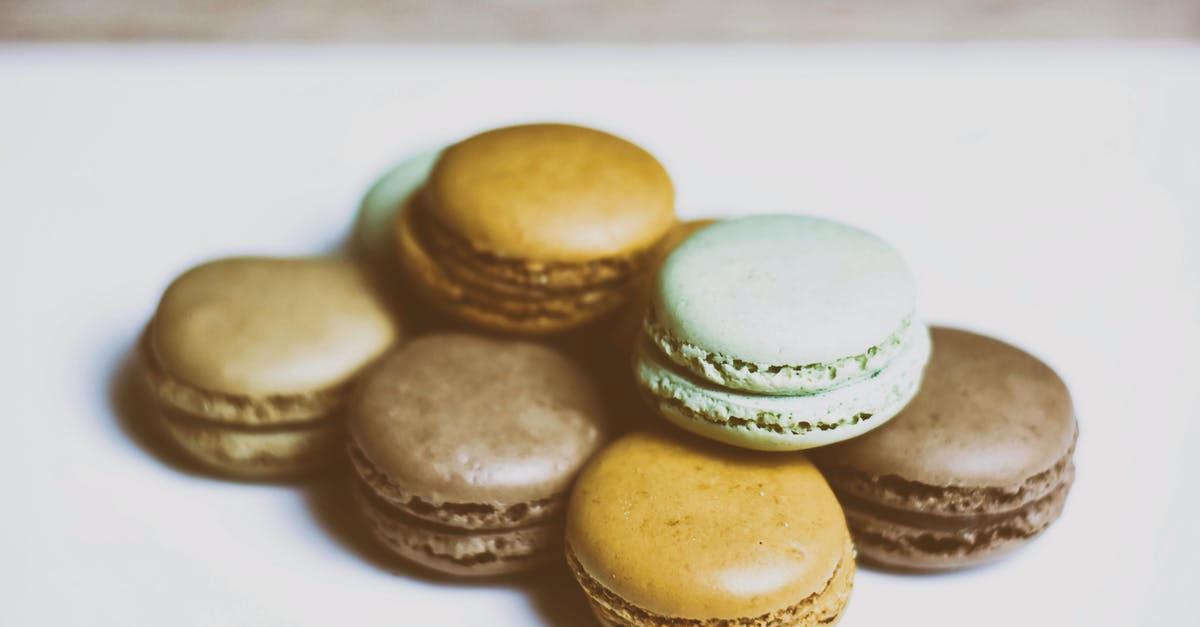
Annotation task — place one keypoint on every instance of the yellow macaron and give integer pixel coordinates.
(664, 527)
(535, 229)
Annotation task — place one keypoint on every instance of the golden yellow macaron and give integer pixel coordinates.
(251, 360)
(535, 229)
(665, 528)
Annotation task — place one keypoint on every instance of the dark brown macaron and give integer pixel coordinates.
(977, 465)
(465, 447)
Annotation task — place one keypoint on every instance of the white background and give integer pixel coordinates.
(1047, 194)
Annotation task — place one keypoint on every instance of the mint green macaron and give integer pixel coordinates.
(376, 223)
(782, 332)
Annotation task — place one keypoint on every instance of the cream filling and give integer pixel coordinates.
(779, 379)
(475, 516)
(465, 548)
(250, 411)
(898, 493)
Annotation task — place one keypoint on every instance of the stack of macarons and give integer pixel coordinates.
(525, 295)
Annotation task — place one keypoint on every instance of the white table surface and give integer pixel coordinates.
(1049, 195)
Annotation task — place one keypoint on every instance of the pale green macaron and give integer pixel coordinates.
(376, 223)
(782, 332)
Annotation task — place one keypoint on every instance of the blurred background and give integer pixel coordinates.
(595, 20)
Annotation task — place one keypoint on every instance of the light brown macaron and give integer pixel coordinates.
(535, 229)
(251, 360)
(975, 467)
(667, 529)
(465, 446)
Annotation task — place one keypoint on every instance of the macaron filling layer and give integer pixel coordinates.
(779, 421)
(947, 522)
(466, 516)
(900, 494)
(822, 607)
(466, 548)
(491, 302)
(276, 410)
(810, 378)
(458, 254)
(960, 540)
(183, 416)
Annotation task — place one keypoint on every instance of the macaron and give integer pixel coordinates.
(977, 465)
(465, 446)
(374, 241)
(535, 229)
(781, 332)
(669, 529)
(251, 360)
(375, 223)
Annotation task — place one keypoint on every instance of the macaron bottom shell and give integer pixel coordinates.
(254, 453)
(454, 551)
(746, 435)
(915, 542)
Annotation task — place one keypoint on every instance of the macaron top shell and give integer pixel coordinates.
(987, 415)
(690, 529)
(551, 193)
(260, 326)
(457, 418)
(783, 290)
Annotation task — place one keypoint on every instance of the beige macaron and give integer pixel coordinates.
(251, 360)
